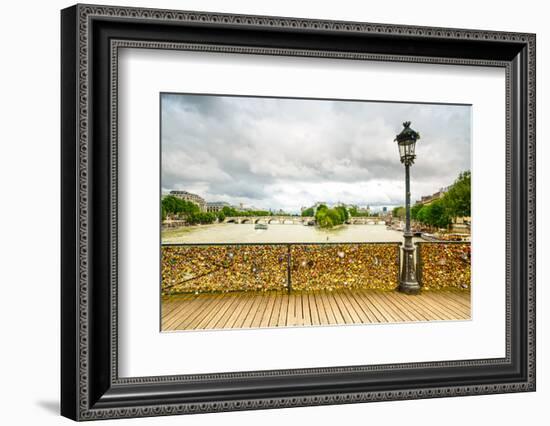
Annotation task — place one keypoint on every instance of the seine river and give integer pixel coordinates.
(276, 233)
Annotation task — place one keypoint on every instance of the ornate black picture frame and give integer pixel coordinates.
(91, 36)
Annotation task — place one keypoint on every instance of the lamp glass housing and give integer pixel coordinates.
(406, 150)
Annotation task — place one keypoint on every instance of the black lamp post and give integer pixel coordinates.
(406, 140)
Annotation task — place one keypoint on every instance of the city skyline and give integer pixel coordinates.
(285, 154)
(373, 208)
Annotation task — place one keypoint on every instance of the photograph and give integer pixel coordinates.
(297, 212)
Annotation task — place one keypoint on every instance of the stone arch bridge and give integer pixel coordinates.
(282, 220)
(298, 220)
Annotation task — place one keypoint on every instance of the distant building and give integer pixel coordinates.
(216, 206)
(242, 208)
(193, 198)
(428, 199)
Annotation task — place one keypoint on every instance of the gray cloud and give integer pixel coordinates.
(288, 153)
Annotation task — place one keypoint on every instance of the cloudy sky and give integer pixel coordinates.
(287, 153)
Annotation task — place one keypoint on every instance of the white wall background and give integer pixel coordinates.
(29, 212)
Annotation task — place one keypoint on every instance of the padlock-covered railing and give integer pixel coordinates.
(200, 268)
(443, 265)
(262, 267)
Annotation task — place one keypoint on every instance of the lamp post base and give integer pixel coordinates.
(409, 288)
(408, 283)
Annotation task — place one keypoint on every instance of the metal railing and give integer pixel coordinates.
(285, 266)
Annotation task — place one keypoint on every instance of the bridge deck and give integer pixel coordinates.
(280, 309)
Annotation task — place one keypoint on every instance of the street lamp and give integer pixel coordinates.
(406, 141)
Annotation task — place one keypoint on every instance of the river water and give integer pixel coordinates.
(278, 233)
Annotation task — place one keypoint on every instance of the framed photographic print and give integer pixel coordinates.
(263, 212)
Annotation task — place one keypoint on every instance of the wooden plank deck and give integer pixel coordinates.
(281, 309)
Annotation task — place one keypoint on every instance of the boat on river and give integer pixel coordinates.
(260, 226)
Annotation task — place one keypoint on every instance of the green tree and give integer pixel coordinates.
(308, 212)
(178, 207)
(457, 199)
(169, 204)
(327, 218)
(259, 213)
(336, 216)
(438, 215)
(434, 214)
(201, 217)
(343, 212)
(228, 211)
(398, 212)
(414, 211)
(323, 220)
(231, 211)
(422, 214)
